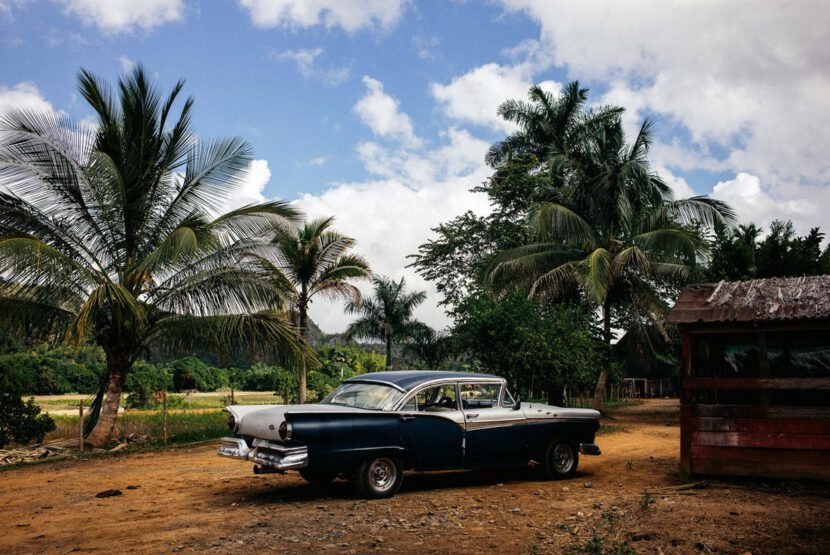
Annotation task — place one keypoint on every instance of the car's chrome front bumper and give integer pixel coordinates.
(589, 449)
(264, 453)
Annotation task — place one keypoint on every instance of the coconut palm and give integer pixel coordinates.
(433, 348)
(314, 261)
(387, 316)
(616, 235)
(119, 232)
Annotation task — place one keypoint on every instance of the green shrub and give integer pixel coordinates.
(143, 383)
(21, 422)
(54, 372)
(192, 374)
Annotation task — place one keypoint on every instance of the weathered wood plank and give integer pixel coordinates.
(787, 465)
(762, 440)
(761, 425)
(753, 411)
(790, 384)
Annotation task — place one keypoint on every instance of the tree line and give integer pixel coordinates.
(118, 235)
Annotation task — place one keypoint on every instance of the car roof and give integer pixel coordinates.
(408, 380)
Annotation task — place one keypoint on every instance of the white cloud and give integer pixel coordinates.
(475, 96)
(306, 61)
(116, 16)
(316, 161)
(350, 15)
(251, 191)
(748, 87)
(382, 114)
(126, 63)
(758, 204)
(391, 216)
(23, 95)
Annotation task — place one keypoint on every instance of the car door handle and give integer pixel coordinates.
(407, 417)
(475, 415)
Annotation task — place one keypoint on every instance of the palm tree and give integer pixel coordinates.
(387, 316)
(117, 233)
(313, 260)
(616, 235)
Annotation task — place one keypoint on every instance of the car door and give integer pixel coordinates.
(432, 427)
(492, 437)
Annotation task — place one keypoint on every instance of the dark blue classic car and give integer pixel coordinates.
(375, 426)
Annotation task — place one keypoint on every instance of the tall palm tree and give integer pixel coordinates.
(387, 316)
(616, 234)
(431, 347)
(311, 261)
(119, 233)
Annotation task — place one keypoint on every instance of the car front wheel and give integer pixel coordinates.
(379, 478)
(561, 459)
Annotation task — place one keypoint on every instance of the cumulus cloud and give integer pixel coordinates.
(350, 15)
(747, 91)
(117, 16)
(389, 220)
(24, 95)
(381, 113)
(306, 62)
(475, 96)
(257, 177)
(392, 214)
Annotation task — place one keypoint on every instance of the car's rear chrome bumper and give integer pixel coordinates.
(264, 453)
(589, 449)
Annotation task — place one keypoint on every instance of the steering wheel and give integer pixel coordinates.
(446, 402)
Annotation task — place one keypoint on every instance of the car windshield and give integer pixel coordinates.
(363, 395)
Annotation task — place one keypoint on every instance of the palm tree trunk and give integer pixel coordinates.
(102, 433)
(301, 385)
(388, 354)
(600, 390)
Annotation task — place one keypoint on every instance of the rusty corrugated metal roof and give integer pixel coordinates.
(758, 300)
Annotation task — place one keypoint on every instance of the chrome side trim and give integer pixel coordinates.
(487, 424)
(589, 449)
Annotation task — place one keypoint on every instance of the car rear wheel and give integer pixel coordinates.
(317, 477)
(379, 477)
(561, 459)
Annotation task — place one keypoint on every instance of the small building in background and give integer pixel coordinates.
(755, 397)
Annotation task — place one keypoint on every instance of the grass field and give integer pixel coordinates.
(182, 426)
(192, 401)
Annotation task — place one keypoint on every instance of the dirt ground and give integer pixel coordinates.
(190, 500)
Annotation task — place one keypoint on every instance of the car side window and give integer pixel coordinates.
(507, 401)
(434, 399)
(480, 395)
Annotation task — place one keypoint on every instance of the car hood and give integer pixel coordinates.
(263, 421)
(534, 411)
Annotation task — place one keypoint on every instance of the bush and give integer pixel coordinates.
(54, 372)
(192, 374)
(21, 422)
(144, 381)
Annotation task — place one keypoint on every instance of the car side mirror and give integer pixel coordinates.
(517, 405)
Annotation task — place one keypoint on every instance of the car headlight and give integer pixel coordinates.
(285, 431)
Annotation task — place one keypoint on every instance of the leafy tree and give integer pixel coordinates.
(432, 348)
(739, 254)
(145, 381)
(117, 232)
(387, 316)
(614, 232)
(314, 261)
(539, 349)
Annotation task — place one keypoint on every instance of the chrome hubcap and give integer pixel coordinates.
(382, 474)
(563, 458)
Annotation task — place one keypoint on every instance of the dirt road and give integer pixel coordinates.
(190, 500)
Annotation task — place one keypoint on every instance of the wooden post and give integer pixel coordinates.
(81, 426)
(164, 416)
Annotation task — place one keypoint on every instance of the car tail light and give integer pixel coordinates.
(232, 424)
(285, 431)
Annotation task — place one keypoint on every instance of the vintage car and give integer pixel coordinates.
(373, 427)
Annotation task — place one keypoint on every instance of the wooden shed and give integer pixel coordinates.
(755, 394)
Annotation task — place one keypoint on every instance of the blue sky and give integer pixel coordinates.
(379, 111)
